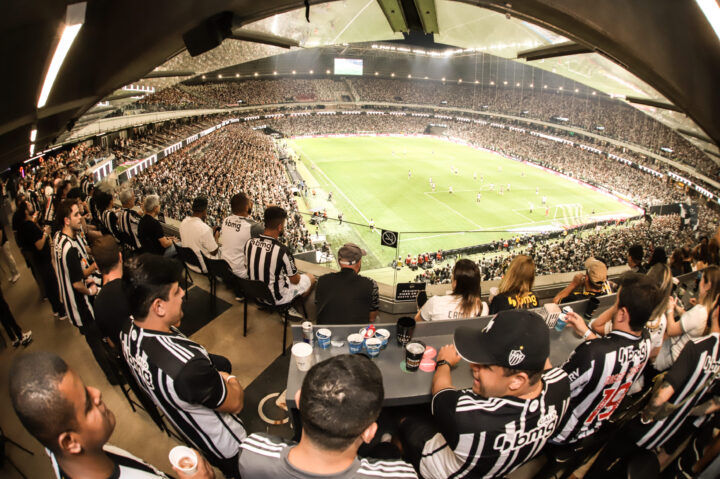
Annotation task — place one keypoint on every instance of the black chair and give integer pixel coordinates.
(219, 269)
(260, 292)
(187, 256)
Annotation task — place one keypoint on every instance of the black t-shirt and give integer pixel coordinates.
(111, 309)
(579, 295)
(149, 232)
(504, 301)
(29, 233)
(345, 298)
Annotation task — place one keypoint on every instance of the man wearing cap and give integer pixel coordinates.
(507, 416)
(592, 283)
(197, 235)
(346, 297)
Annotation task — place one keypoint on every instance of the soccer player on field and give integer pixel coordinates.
(450, 190)
(537, 190)
(508, 188)
(544, 200)
(409, 174)
(474, 175)
(479, 197)
(372, 224)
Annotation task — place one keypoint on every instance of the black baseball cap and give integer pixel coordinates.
(515, 339)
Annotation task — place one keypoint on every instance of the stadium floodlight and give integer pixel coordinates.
(203, 77)
(443, 78)
(33, 135)
(517, 84)
(237, 75)
(504, 83)
(532, 86)
(459, 80)
(560, 88)
(376, 73)
(311, 72)
(327, 71)
(426, 78)
(255, 74)
(711, 10)
(32, 149)
(477, 81)
(492, 83)
(74, 19)
(392, 74)
(576, 90)
(275, 73)
(593, 93)
(544, 86)
(409, 76)
(219, 75)
(294, 72)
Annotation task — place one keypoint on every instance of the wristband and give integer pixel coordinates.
(442, 362)
(588, 333)
(230, 377)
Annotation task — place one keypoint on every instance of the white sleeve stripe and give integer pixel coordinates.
(262, 452)
(264, 443)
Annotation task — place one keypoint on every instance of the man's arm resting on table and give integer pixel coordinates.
(442, 379)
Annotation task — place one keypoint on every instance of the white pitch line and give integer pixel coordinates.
(455, 211)
(316, 167)
(433, 236)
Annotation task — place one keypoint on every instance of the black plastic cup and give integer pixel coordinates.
(405, 329)
(414, 351)
(592, 305)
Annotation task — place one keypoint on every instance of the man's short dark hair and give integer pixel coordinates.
(636, 253)
(35, 394)
(639, 295)
(533, 376)
(63, 211)
(274, 216)
(106, 253)
(199, 204)
(239, 203)
(147, 278)
(340, 397)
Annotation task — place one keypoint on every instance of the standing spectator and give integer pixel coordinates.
(71, 421)
(515, 291)
(269, 261)
(678, 265)
(111, 307)
(601, 371)
(635, 258)
(150, 232)
(193, 388)
(7, 257)
(507, 416)
(108, 217)
(339, 402)
(128, 219)
(692, 323)
(14, 332)
(197, 235)
(236, 231)
(464, 302)
(346, 297)
(592, 283)
(35, 240)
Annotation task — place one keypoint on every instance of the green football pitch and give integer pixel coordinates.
(388, 180)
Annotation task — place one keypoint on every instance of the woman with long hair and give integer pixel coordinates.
(657, 324)
(464, 302)
(692, 323)
(515, 291)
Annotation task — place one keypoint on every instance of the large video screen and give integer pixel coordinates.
(348, 66)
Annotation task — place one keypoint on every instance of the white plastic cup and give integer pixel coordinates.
(302, 352)
(355, 343)
(184, 459)
(383, 335)
(323, 338)
(373, 345)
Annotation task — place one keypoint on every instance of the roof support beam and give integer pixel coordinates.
(552, 51)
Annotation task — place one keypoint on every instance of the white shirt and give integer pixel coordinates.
(657, 334)
(693, 323)
(440, 308)
(234, 234)
(197, 236)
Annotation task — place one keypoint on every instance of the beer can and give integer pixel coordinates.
(307, 329)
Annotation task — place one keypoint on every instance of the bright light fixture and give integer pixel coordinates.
(517, 84)
(593, 93)
(459, 80)
(255, 74)
(219, 75)
(532, 86)
(392, 74)
(492, 82)
(274, 73)
(294, 72)
(237, 75)
(711, 9)
(311, 72)
(376, 73)
(504, 83)
(409, 76)
(33, 135)
(327, 71)
(443, 78)
(74, 19)
(32, 149)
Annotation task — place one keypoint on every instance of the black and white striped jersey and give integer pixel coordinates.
(85, 183)
(109, 220)
(490, 437)
(86, 259)
(127, 466)
(601, 371)
(49, 210)
(270, 261)
(692, 376)
(69, 269)
(128, 221)
(178, 374)
(266, 457)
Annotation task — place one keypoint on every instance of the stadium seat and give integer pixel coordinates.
(219, 269)
(187, 256)
(260, 293)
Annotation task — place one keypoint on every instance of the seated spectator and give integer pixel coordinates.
(515, 291)
(339, 402)
(692, 323)
(235, 233)
(678, 265)
(269, 260)
(71, 421)
(150, 232)
(197, 235)
(592, 283)
(601, 368)
(635, 258)
(464, 302)
(491, 429)
(193, 388)
(346, 297)
(658, 257)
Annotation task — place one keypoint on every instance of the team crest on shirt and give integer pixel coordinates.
(489, 325)
(516, 357)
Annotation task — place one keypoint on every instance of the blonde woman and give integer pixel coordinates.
(515, 291)
(464, 302)
(692, 323)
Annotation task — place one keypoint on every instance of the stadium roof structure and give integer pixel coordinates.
(664, 52)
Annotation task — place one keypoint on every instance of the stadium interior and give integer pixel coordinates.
(397, 125)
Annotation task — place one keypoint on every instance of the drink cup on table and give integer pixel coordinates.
(355, 343)
(323, 338)
(302, 352)
(405, 329)
(383, 335)
(184, 459)
(373, 346)
(414, 351)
